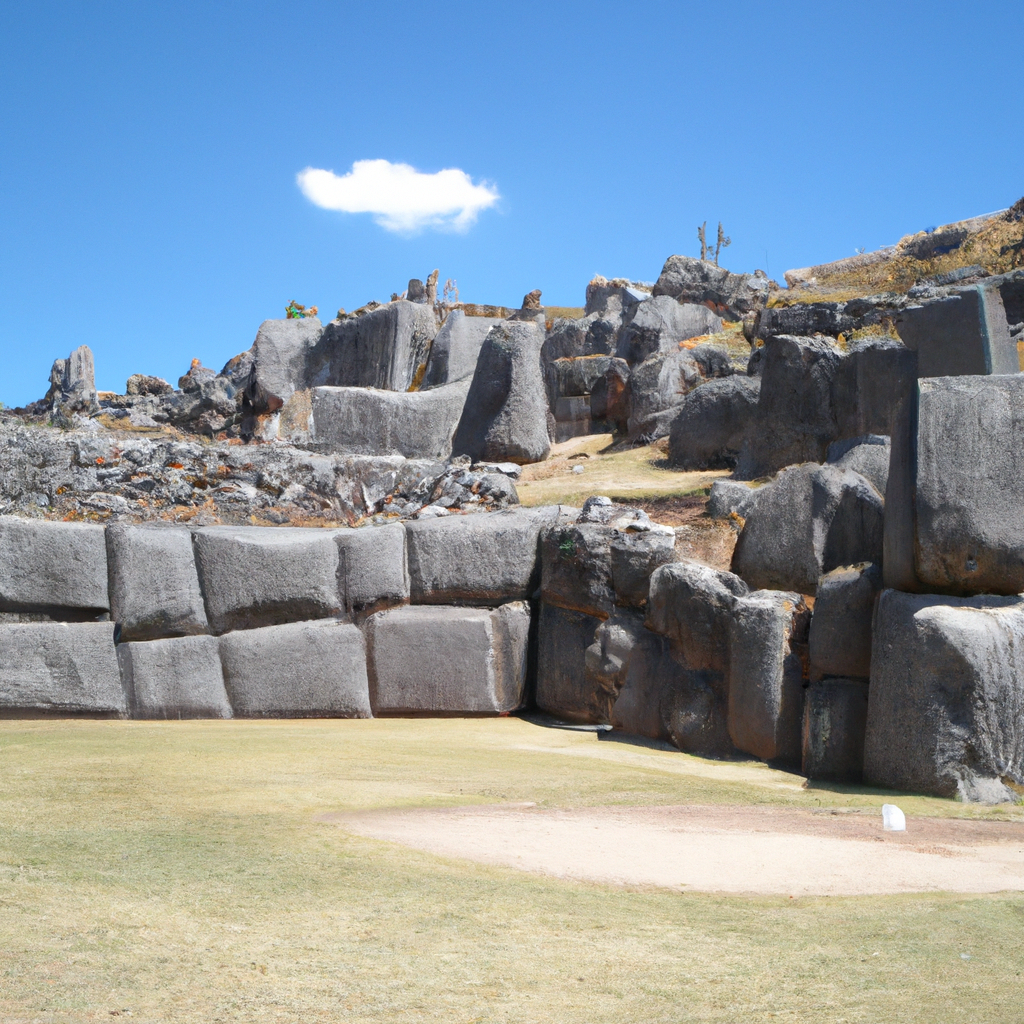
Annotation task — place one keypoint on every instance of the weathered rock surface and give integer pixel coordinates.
(660, 324)
(712, 423)
(732, 296)
(372, 568)
(956, 521)
(58, 568)
(366, 421)
(177, 678)
(384, 348)
(650, 672)
(728, 496)
(483, 560)
(283, 361)
(298, 670)
(505, 415)
(656, 385)
(867, 455)
(154, 585)
(564, 687)
(835, 715)
(73, 384)
(60, 668)
(840, 637)
(946, 703)
(258, 577)
(809, 520)
(443, 660)
(456, 348)
(767, 649)
(872, 378)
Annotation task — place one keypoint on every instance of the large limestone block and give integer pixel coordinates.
(656, 385)
(809, 520)
(660, 323)
(60, 667)
(483, 559)
(283, 358)
(505, 415)
(963, 333)
(56, 567)
(384, 348)
(835, 714)
(650, 671)
(154, 585)
(365, 421)
(176, 678)
(565, 688)
(456, 348)
(840, 638)
(712, 422)
(946, 703)
(436, 660)
(954, 519)
(872, 377)
(730, 295)
(372, 569)
(297, 670)
(795, 420)
(767, 654)
(261, 576)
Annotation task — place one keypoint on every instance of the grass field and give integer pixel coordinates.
(182, 872)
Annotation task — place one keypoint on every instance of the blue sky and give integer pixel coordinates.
(148, 152)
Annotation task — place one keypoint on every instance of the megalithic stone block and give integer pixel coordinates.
(373, 569)
(297, 670)
(767, 675)
(60, 568)
(436, 660)
(154, 586)
(840, 637)
(959, 334)
(176, 678)
(261, 576)
(835, 713)
(946, 703)
(564, 687)
(954, 510)
(61, 668)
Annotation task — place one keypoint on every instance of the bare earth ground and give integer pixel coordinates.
(718, 849)
(197, 872)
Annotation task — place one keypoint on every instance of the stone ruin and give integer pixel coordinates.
(158, 556)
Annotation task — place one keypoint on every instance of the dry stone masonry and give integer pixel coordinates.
(330, 526)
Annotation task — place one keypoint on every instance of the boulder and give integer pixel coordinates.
(57, 568)
(872, 378)
(835, 715)
(60, 667)
(443, 660)
(730, 295)
(485, 559)
(177, 678)
(140, 384)
(154, 585)
(954, 521)
(649, 671)
(592, 335)
(767, 654)
(729, 496)
(283, 354)
(795, 418)
(456, 348)
(615, 296)
(660, 324)
(365, 421)
(946, 704)
(73, 383)
(258, 576)
(372, 567)
(298, 670)
(806, 319)
(564, 687)
(505, 415)
(840, 637)
(592, 566)
(694, 711)
(962, 333)
(809, 520)
(867, 455)
(712, 422)
(658, 384)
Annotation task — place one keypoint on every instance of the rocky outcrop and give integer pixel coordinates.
(732, 296)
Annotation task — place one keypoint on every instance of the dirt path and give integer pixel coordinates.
(763, 850)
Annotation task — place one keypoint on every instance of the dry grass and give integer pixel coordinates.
(618, 472)
(179, 872)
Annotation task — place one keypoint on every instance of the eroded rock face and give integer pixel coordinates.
(73, 384)
(732, 296)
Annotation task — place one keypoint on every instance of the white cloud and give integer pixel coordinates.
(400, 198)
